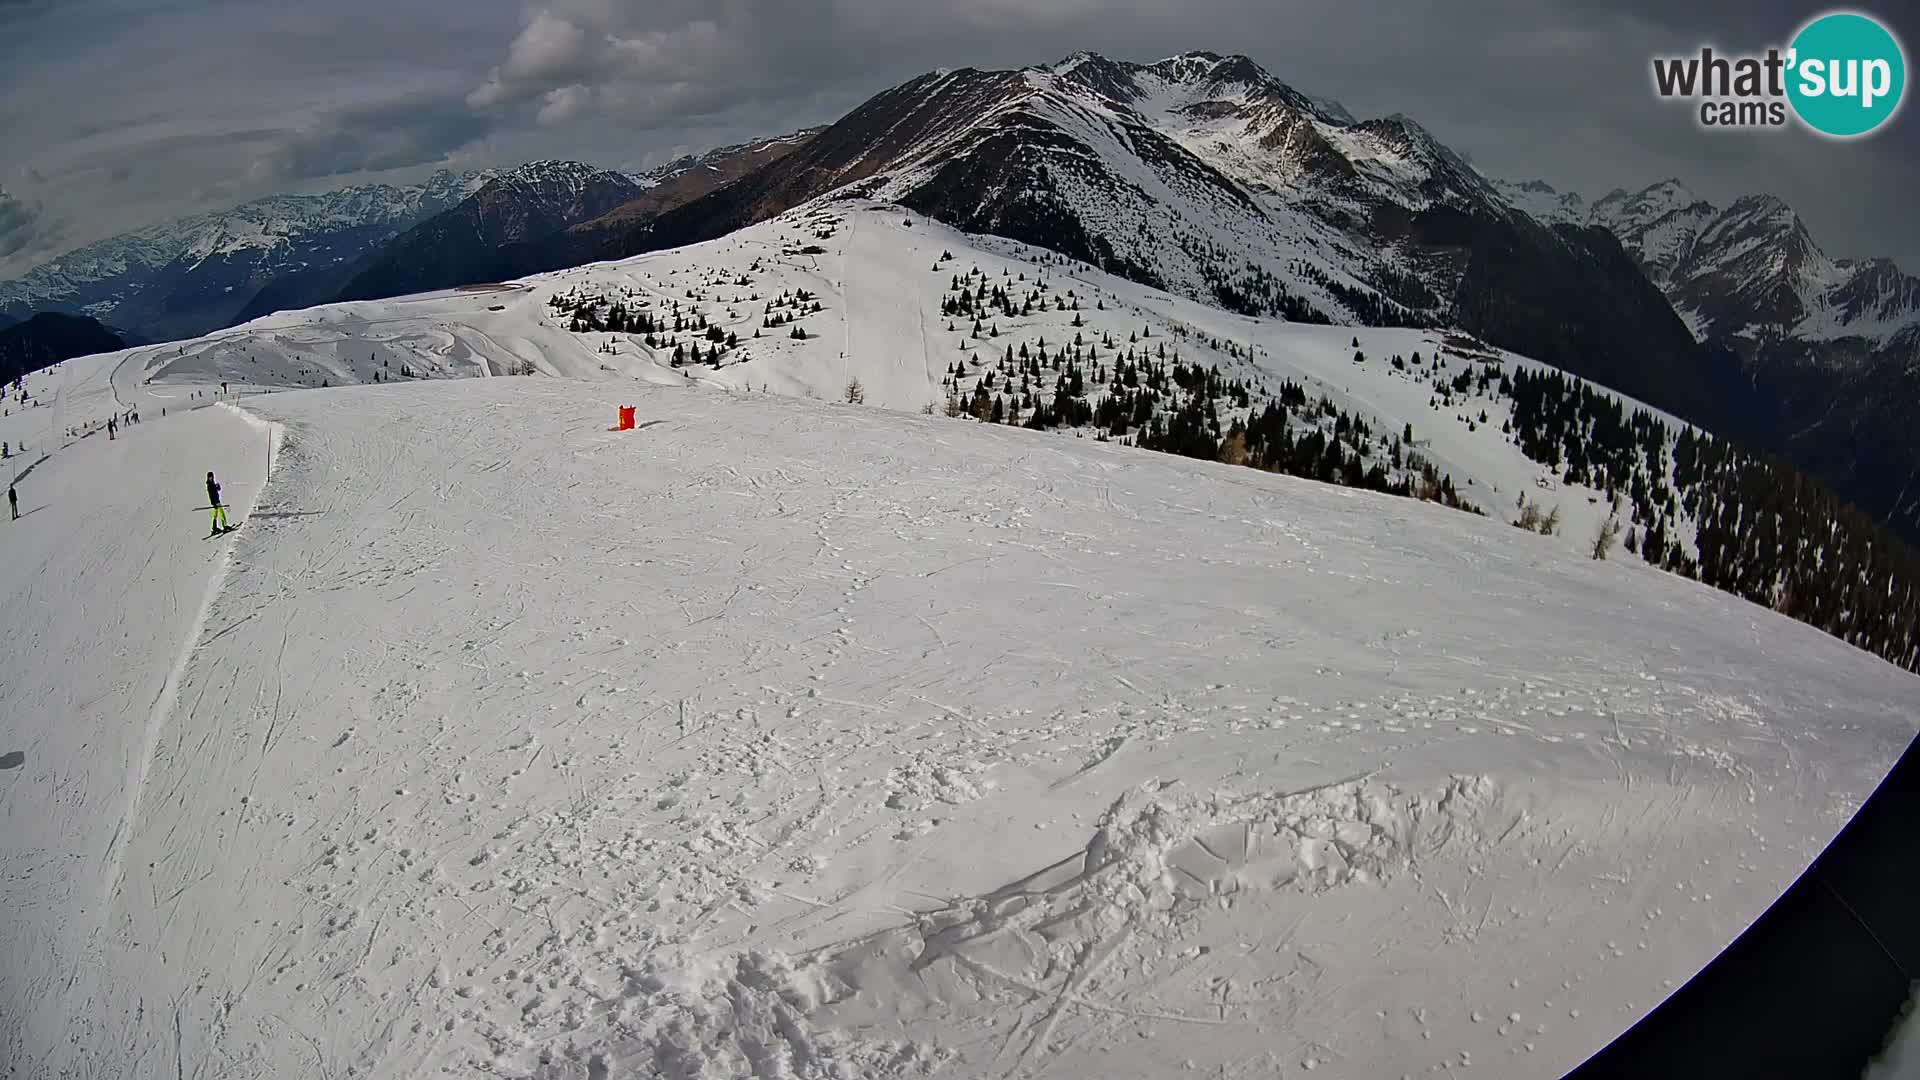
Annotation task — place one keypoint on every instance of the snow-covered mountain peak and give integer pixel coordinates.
(1749, 272)
(1624, 211)
(1202, 83)
(1212, 69)
(554, 175)
(1544, 202)
(1091, 74)
(1405, 133)
(1404, 161)
(1764, 209)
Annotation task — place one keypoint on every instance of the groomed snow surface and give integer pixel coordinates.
(779, 738)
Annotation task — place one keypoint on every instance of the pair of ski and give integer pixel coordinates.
(216, 532)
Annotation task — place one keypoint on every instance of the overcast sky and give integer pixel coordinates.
(117, 113)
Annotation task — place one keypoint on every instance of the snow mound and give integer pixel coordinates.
(746, 1018)
(1160, 864)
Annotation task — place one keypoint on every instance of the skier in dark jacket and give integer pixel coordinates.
(13, 502)
(213, 499)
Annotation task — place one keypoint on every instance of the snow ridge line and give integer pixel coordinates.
(164, 701)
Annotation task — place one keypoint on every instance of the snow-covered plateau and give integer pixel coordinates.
(794, 738)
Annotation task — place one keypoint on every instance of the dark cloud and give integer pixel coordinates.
(20, 226)
(1735, 23)
(372, 138)
(178, 101)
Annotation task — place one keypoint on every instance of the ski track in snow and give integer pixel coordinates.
(788, 740)
(108, 582)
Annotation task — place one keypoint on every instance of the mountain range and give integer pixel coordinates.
(187, 277)
(1202, 174)
(551, 201)
(449, 248)
(1749, 273)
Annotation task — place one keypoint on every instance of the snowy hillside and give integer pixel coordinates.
(879, 279)
(782, 738)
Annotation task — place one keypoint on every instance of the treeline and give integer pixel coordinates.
(1776, 536)
(1256, 291)
(1760, 529)
(704, 342)
(1140, 393)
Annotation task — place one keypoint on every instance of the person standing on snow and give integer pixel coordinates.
(219, 511)
(13, 502)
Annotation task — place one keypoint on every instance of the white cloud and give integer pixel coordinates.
(563, 104)
(550, 46)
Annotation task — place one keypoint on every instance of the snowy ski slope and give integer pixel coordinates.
(782, 738)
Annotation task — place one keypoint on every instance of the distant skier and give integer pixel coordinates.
(219, 511)
(13, 502)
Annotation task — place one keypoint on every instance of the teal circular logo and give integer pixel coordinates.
(1847, 74)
